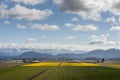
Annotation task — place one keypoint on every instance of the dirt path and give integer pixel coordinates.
(38, 74)
(60, 64)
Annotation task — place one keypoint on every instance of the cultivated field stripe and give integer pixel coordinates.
(59, 64)
(53, 74)
(38, 74)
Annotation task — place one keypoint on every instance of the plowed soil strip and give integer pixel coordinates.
(38, 74)
(43, 71)
(59, 65)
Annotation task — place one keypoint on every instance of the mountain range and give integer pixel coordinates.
(19, 51)
(110, 53)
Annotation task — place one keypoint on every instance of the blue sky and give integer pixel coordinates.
(71, 23)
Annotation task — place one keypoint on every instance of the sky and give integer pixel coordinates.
(66, 24)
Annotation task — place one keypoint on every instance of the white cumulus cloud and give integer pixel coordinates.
(71, 37)
(44, 36)
(30, 2)
(19, 26)
(111, 19)
(7, 22)
(75, 19)
(102, 39)
(98, 39)
(115, 28)
(21, 12)
(31, 40)
(45, 27)
(69, 25)
(85, 28)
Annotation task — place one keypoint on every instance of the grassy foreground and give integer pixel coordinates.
(60, 73)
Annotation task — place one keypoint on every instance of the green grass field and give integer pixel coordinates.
(60, 73)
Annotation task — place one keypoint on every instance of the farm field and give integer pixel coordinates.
(113, 65)
(60, 71)
(5, 65)
(61, 64)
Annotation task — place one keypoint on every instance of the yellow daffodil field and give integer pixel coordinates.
(78, 64)
(61, 64)
(43, 64)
